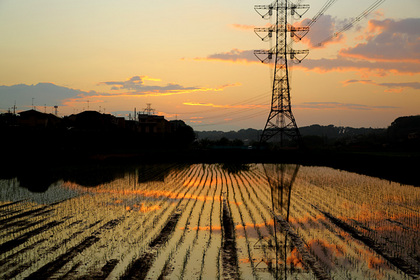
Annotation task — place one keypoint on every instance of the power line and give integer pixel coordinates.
(237, 112)
(314, 19)
(362, 15)
(228, 107)
(234, 120)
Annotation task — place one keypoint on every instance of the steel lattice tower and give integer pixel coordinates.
(280, 121)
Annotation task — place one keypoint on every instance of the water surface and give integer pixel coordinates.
(209, 221)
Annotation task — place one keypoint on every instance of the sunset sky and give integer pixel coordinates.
(193, 60)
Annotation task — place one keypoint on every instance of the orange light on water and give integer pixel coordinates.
(145, 209)
(295, 258)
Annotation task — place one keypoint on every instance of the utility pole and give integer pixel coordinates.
(148, 109)
(281, 122)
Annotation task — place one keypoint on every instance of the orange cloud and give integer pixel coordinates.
(391, 47)
(247, 27)
(387, 41)
(235, 56)
(243, 26)
(339, 106)
(147, 78)
(223, 106)
(339, 64)
(364, 67)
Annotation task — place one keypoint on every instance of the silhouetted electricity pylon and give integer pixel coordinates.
(280, 121)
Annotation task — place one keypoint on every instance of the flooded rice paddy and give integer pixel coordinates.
(211, 221)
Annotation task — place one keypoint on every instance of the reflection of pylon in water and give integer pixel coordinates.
(280, 121)
(280, 184)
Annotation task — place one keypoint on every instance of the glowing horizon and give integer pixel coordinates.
(114, 58)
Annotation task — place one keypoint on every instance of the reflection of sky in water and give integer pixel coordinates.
(382, 211)
(10, 190)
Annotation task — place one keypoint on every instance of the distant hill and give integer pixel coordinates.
(245, 135)
(252, 135)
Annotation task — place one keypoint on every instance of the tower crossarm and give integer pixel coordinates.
(281, 6)
(296, 32)
(266, 55)
(260, 9)
(289, 51)
(290, 28)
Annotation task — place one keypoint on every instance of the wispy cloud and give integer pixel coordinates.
(135, 86)
(338, 105)
(234, 55)
(339, 63)
(224, 106)
(242, 26)
(390, 87)
(363, 67)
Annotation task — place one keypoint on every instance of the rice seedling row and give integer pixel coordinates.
(243, 243)
(152, 255)
(186, 238)
(167, 212)
(206, 270)
(213, 222)
(129, 267)
(189, 245)
(202, 237)
(264, 256)
(355, 226)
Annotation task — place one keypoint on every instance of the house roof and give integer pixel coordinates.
(35, 113)
(31, 112)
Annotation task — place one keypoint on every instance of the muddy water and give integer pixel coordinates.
(210, 222)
